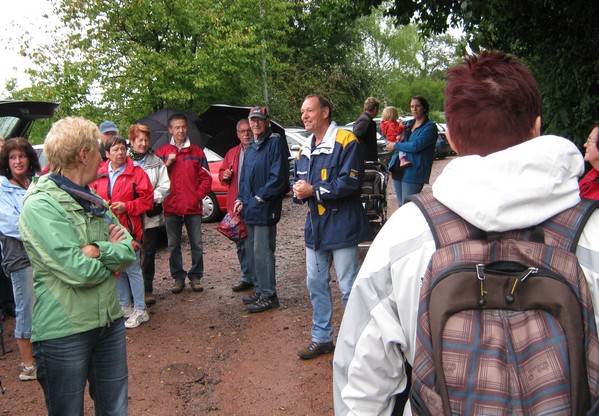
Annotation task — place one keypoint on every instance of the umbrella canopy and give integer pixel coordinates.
(220, 122)
(215, 128)
(158, 124)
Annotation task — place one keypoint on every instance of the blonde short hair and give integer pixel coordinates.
(390, 113)
(66, 139)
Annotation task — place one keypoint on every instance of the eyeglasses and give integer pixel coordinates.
(589, 141)
(244, 130)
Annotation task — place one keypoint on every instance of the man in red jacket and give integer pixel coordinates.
(190, 183)
(229, 175)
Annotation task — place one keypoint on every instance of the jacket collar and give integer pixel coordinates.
(326, 146)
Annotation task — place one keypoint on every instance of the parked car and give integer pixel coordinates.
(17, 117)
(215, 203)
(296, 139)
(442, 147)
(41, 156)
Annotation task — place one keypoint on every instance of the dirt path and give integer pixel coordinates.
(202, 354)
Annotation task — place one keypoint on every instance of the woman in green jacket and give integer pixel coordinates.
(76, 247)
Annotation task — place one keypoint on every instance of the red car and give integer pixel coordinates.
(215, 203)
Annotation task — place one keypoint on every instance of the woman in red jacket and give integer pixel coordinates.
(129, 192)
(589, 184)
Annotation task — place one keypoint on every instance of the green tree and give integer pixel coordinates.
(322, 56)
(555, 39)
(129, 58)
(405, 63)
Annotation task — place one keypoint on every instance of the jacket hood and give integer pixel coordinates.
(515, 188)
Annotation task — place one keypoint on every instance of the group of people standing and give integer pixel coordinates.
(64, 246)
(86, 259)
(412, 144)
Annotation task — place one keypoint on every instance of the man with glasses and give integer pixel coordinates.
(263, 182)
(190, 183)
(229, 176)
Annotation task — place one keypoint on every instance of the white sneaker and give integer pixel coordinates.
(28, 373)
(138, 317)
(127, 311)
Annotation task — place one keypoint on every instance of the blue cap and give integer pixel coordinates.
(107, 126)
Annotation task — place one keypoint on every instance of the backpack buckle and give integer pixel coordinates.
(480, 273)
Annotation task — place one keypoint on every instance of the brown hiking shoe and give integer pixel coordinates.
(315, 349)
(178, 286)
(150, 299)
(196, 286)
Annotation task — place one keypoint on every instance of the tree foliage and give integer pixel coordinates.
(123, 59)
(555, 39)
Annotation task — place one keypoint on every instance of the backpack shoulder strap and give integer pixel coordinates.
(564, 229)
(447, 226)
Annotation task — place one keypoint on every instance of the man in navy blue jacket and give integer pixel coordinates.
(263, 181)
(328, 177)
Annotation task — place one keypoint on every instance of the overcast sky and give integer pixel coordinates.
(17, 18)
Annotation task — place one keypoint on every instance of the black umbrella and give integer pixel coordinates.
(158, 124)
(215, 128)
(220, 122)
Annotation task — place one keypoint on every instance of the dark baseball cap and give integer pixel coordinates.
(260, 112)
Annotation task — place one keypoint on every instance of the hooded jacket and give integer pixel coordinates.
(14, 256)
(190, 179)
(335, 169)
(518, 187)
(74, 293)
(132, 187)
(264, 180)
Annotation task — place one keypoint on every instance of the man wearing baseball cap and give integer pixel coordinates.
(263, 181)
(107, 129)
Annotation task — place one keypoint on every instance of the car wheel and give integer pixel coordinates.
(210, 208)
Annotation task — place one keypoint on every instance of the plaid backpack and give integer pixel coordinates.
(505, 320)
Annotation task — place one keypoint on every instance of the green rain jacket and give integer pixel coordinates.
(74, 293)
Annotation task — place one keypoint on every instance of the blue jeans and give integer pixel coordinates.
(318, 265)
(131, 282)
(98, 356)
(245, 261)
(174, 228)
(405, 189)
(261, 245)
(22, 288)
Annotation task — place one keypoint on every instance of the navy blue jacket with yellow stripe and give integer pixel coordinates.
(335, 169)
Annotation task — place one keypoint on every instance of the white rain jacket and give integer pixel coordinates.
(515, 188)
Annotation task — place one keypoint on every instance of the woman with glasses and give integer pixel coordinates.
(129, 192)
(589, 184)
